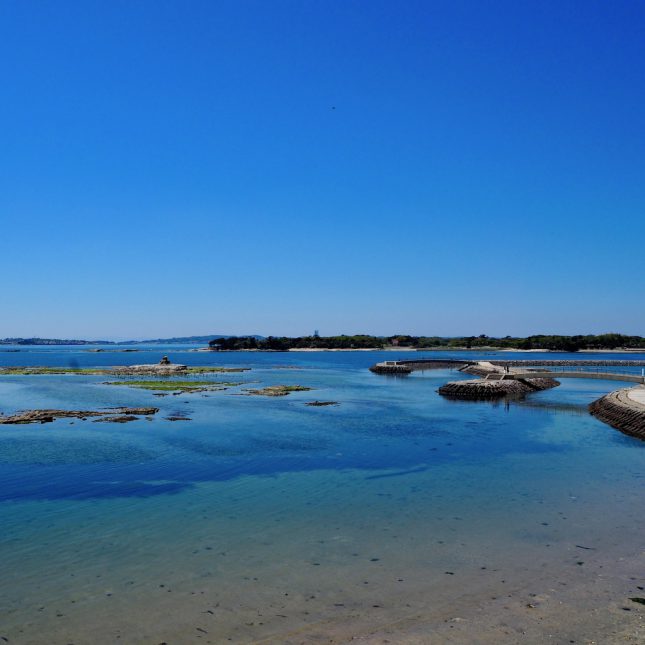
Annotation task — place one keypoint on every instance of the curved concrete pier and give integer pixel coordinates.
(623, 410)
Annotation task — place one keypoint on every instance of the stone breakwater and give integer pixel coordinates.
(622, 412)
(490, 386)
(407, 367)
(483, 389)
(569, 363)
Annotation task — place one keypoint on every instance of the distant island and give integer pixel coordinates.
(362, 341)
(52, 341)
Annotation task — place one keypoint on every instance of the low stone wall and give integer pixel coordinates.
(621, 412)
(433, 363)
(570, 363)
(481, 389)
(406, 367)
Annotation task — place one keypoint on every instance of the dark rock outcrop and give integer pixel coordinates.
(47, 416)
(159, 369)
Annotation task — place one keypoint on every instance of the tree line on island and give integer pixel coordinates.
(364, 341)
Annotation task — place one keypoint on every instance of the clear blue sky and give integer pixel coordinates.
(445, 167)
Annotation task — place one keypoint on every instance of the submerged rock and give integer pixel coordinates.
(319, 404)
(144, 410)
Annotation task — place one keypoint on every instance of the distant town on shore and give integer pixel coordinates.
(221, 342)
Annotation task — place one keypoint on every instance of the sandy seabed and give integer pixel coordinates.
(217, 574)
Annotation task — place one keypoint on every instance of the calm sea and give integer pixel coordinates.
(394, 515)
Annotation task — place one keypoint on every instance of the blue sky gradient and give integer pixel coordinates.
(447, 168)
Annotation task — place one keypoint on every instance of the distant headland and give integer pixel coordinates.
(156, 341)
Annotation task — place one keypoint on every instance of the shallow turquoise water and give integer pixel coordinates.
(393, 481)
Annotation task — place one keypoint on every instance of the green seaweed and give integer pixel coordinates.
(278, 390)
(28, 371)
(212, 370)
(176, 386)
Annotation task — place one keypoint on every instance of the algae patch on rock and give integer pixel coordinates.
(214, 370)
(47, 416)
(176, 387)
(278, 390)
(162, 369)
(30, 371)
